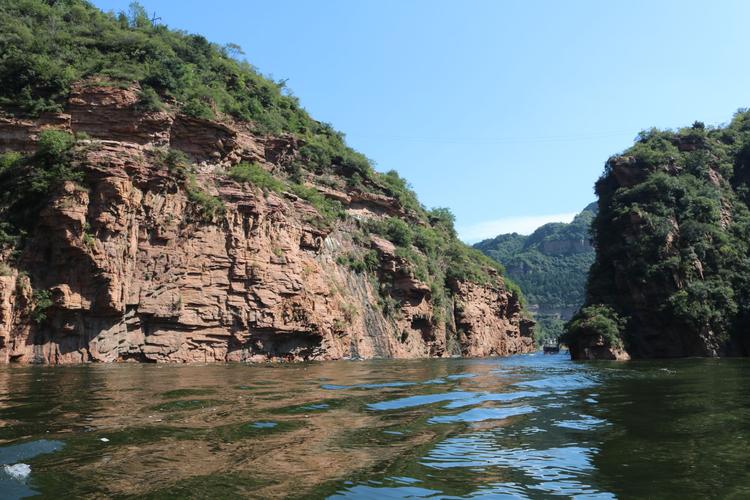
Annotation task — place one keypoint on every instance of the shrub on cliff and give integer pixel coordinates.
(360, 262)
(256, 175)
(149, 100)
(328, 209)
(52, 164)
(396, 186)
(28, 181)
(394, 229)
(471, 265)
(42, 300)
(596, 320)
(209, 206)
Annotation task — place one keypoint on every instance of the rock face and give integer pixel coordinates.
(134, 274)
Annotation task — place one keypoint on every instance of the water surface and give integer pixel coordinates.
(529, 426)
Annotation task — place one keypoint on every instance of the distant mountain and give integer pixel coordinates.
(550, 266)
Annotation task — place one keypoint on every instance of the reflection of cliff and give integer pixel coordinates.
(196, 426)
(687, 417)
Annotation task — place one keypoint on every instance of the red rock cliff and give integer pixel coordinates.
(133, 274)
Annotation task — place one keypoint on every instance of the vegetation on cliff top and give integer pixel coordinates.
(672, 241)
(48, 46)
(550, 266)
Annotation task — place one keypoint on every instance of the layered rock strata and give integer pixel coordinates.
(134, 274)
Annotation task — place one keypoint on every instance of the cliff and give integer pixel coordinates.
(550, 266)
(182, 239)
(671, 276)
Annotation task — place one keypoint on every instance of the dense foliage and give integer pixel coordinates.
(672, 238)
(28, 181)
(48, 46)
(550, 266)
(598, 320)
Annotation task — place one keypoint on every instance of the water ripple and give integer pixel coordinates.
(488, 396)
(424, 399)
(482, 414)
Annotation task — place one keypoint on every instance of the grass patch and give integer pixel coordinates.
(254, 174)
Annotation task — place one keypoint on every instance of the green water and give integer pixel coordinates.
(529, 426)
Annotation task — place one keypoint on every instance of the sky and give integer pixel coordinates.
(504, 111)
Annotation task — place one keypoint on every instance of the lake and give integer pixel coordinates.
(529, 426)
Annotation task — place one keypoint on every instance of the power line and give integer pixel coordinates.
(496, 140)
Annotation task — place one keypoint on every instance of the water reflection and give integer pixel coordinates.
(520, 427)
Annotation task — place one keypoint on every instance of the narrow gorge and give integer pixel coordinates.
(550, 266)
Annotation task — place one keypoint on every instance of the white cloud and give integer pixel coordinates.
(522, 225)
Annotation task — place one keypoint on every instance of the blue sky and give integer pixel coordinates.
(504, 111)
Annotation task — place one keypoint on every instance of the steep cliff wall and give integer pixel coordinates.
(671, 276)
(150, 258)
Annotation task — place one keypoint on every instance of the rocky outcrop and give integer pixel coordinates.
(671, 239)
(565, 246)
(135, 273)
(591, 347)
(482, 312)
